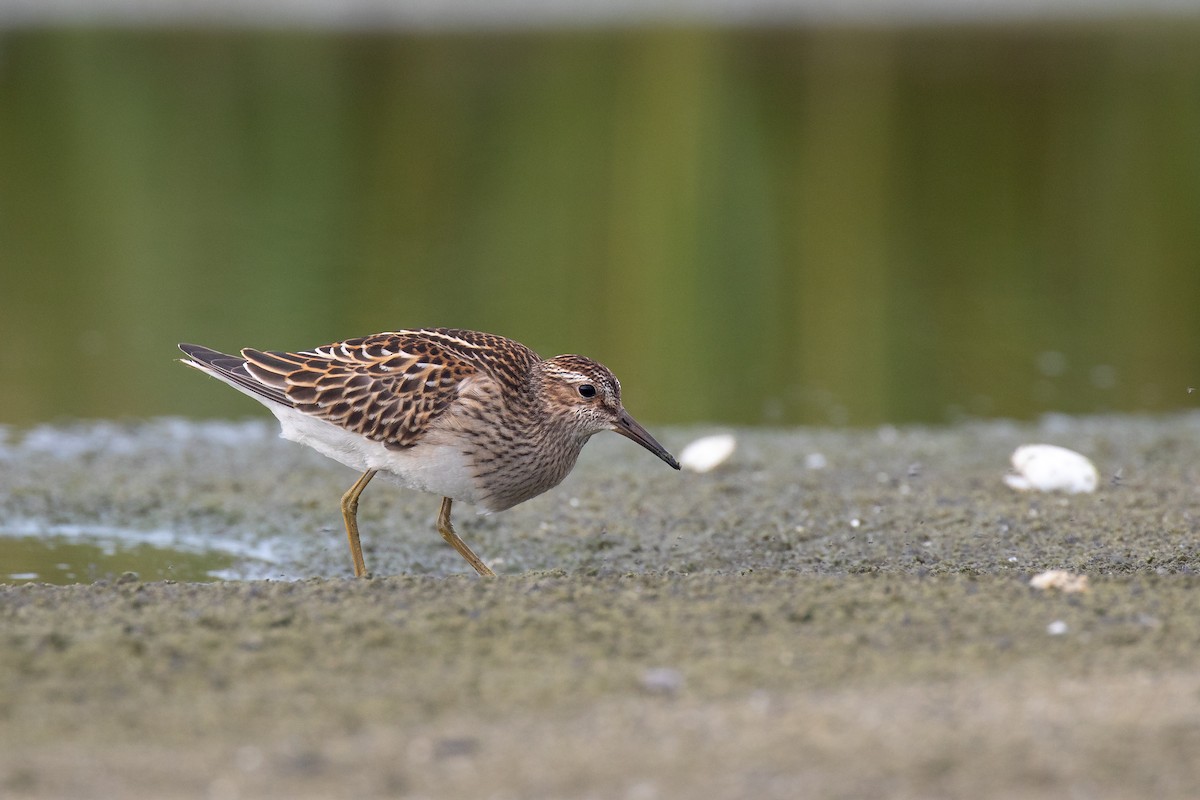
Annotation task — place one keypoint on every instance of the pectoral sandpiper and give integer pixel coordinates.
(466, 415)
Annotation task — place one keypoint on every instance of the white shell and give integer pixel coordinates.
(707, 453)
(1059, 579)
(816, 461)
(1049, 468)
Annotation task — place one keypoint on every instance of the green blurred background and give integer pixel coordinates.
(826, 225)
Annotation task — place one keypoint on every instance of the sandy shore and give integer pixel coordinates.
(765, 630)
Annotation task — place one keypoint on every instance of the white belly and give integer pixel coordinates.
(435, 468)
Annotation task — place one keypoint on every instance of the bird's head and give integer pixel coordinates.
(587, 396)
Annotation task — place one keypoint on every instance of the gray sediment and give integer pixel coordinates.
(766, 629)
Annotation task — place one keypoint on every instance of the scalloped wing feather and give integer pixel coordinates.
(389, 387)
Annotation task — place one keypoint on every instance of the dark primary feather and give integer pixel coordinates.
(233, 368)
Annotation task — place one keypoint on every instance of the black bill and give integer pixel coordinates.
(628, 427)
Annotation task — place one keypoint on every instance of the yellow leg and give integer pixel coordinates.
(447, 531)
(350, 515)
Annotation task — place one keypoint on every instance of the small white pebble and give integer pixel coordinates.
(854, 523)
(1049, 468)
(1061, 580)
(573, 502)
(815, 461)
(707, 453)
(1012, 559)
(662, 680)
(1056, 628)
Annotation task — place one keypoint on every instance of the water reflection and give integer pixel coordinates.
(783, 226)
(88, 555)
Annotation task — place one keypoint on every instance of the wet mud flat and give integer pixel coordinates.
(854, 624)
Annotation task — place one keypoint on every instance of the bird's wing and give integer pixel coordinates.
(388, 387)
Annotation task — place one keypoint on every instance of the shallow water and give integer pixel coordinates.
(67, 554)
(31, 559)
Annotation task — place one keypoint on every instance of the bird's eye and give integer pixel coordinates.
(587, 390)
